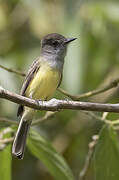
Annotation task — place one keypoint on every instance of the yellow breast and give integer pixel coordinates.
(44, 83)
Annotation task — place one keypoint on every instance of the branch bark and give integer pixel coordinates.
(88, 159)
(8, 120)
(12, 70)
(55, 104)
(112, 84)
(48, 115)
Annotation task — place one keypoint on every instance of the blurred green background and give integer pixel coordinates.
(92, 61)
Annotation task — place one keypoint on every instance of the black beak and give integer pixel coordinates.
(68, 40)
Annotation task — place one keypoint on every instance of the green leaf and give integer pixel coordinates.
(106, 156)
(55, 163)
(6, 161)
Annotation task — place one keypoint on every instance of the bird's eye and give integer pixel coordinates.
(55, 43)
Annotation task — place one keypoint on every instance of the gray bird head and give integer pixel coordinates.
(55, 44)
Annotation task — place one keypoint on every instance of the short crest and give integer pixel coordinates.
(54, 36)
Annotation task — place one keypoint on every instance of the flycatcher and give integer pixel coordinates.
(42, 79)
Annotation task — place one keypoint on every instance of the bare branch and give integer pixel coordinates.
(13, 71)
(107, 121)
(4, 142)
(8, 120)
(5, 131)
(111, 85)
(104, 115)
(48, 115)
(93, 115)
(92, 145)
(55, 104)
(7, 140)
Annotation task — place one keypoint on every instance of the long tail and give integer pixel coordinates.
(19, 143)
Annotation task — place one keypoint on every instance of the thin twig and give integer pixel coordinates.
(93, 115)
(107, 121)
(104, 115)
(7, 140)
(56, 105)
(5, 131)
(109, 86)
(4, 142)
(12, 71)
(92, 145)
(8, 120)
(48, 115)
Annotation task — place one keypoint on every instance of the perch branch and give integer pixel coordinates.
(55, 104)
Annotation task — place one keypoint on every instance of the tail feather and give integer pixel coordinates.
(19, 143)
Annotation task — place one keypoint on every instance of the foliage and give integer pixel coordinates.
(107, 155)
(92, 61)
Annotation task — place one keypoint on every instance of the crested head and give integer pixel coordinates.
(54, 36)
(55, 44)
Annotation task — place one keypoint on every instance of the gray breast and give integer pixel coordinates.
(54, 61)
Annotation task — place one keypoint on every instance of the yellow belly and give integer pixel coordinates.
(44, 83)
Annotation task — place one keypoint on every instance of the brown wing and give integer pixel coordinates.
(32, 70)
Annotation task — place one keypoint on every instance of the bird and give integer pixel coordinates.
(43, 78)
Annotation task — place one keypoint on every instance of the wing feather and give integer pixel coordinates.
(32, 70)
